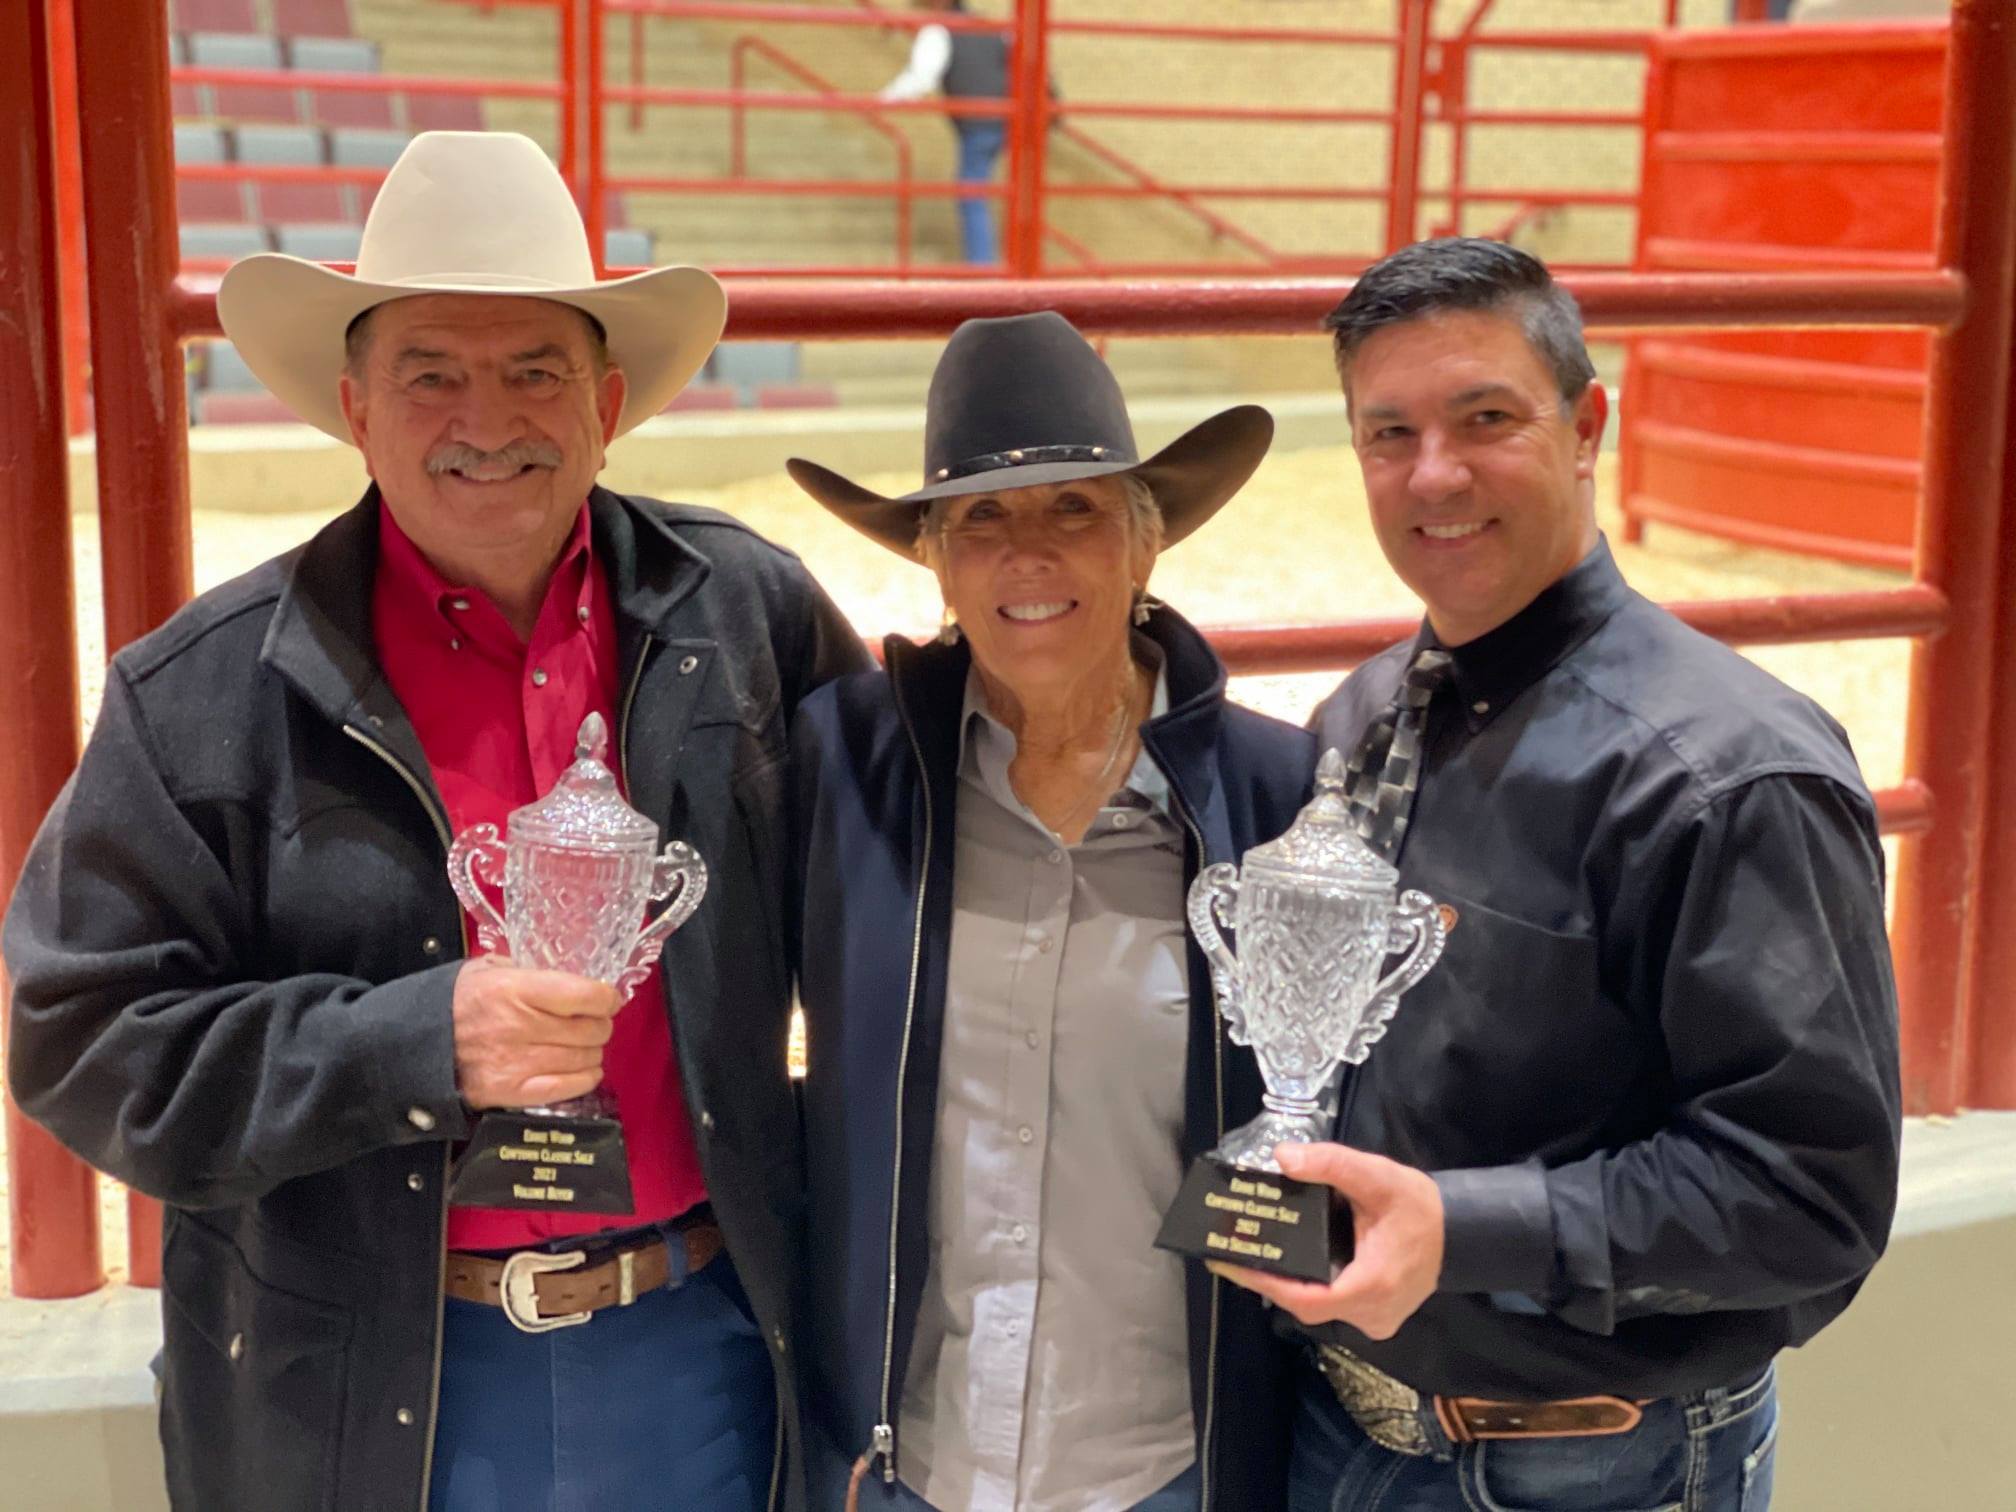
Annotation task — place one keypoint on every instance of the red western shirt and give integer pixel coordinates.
(497, 718)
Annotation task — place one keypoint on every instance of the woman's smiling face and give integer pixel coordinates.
(1042, 579)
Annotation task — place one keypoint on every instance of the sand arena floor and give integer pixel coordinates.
(1295, 547)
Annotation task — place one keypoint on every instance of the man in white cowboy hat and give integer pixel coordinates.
(238, 967)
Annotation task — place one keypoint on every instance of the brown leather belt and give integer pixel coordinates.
(540, 1291)
(1390, 1411)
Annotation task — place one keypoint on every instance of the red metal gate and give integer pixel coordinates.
(1957, 972)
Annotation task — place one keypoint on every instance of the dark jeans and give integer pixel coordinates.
(979, 146)
(1711, 1452)
(664, 1403)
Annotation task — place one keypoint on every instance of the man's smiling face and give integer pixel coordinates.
(1480, 480)
(483, 419)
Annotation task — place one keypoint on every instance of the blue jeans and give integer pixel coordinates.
(979, 147)
(1711, 1452)
(1180, 1495)
(664, 1403)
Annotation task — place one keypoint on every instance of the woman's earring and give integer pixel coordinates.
(1145, 604)
(948, 628)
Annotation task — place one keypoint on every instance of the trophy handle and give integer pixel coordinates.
(1417, 929)
(1211, 898)
(680, 874)
(476, 857)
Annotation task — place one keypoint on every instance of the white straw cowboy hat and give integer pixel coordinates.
(466, 212)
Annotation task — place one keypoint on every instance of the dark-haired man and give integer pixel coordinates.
(1637, 1131)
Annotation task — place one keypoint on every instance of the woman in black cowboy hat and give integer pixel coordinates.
(1012, 1042)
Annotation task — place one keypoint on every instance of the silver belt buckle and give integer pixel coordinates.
(518, 1290)
(1387, 1410)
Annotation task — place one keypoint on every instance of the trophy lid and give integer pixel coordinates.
(1323, 845)
(583, 809)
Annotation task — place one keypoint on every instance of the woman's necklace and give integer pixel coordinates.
(1101, 785)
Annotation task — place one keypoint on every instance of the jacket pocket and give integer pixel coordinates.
(254, 1382)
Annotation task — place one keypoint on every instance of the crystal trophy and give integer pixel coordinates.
(1316, 920)
(576, 874)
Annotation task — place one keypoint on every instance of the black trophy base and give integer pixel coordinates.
(543, 1162)
(1259, 1219)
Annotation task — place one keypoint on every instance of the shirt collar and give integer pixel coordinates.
(1495, 668)
(418, 588)
(987, 746)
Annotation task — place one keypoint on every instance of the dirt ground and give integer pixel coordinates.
(1295, 547)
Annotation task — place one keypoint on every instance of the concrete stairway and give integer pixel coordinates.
(443, 37)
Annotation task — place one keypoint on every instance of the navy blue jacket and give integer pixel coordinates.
(874, 782)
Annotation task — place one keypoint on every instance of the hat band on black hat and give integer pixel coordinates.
(1029, 456)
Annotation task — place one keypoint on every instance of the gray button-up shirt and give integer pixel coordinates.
(1051, 1354)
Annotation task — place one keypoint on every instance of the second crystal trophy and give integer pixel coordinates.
(1316, 919)
(577, 871)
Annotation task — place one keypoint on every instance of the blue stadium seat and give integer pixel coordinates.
(224, 371)
(295, 145)
(212, 240)
(200, 142)
(366, 149)
(234, 50)
(334, 54)
(323, 243)
(627, 247)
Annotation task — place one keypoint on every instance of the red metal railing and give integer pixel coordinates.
(1431, 87)
(1956, 971)
(738, 145)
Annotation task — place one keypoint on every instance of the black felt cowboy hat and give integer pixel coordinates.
(1025, 400)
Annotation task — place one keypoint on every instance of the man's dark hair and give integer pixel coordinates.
(1467, 273)
(357, 341)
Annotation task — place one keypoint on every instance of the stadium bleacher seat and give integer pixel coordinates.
(333, 54)
(303, 146)
(213, 240)
(209, 200)
(213, 15)
(752, 364)
(262, 408)
(224, 371)
(243, 102)
(311, 18)
(366, 149)
(200, 142)
(341, 107)
(323, 243)
(626, 247)
(435, 112)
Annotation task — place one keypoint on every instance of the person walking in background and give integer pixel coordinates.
(964, 66)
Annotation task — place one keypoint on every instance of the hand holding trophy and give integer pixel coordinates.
(577, 872)
(1315, 917)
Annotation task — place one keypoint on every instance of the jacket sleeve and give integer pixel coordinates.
(1774, 1175)
(140, 1034)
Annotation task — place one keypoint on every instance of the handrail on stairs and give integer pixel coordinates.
(747, 43)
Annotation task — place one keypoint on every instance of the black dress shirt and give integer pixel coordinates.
(1655, 1072)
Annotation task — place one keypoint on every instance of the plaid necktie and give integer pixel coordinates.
(1386, 768)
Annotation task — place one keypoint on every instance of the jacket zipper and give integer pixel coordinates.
(1207, 1438)
(883, 1442)
(440, 822)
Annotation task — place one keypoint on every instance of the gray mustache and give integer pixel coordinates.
(458, 457)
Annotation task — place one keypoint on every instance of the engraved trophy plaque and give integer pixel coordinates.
(1315, 919)
(576, 873)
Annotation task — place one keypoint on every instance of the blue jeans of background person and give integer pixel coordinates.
(664, 1403)
(979, 147)
(1711, 1452)
(1180, 1495)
